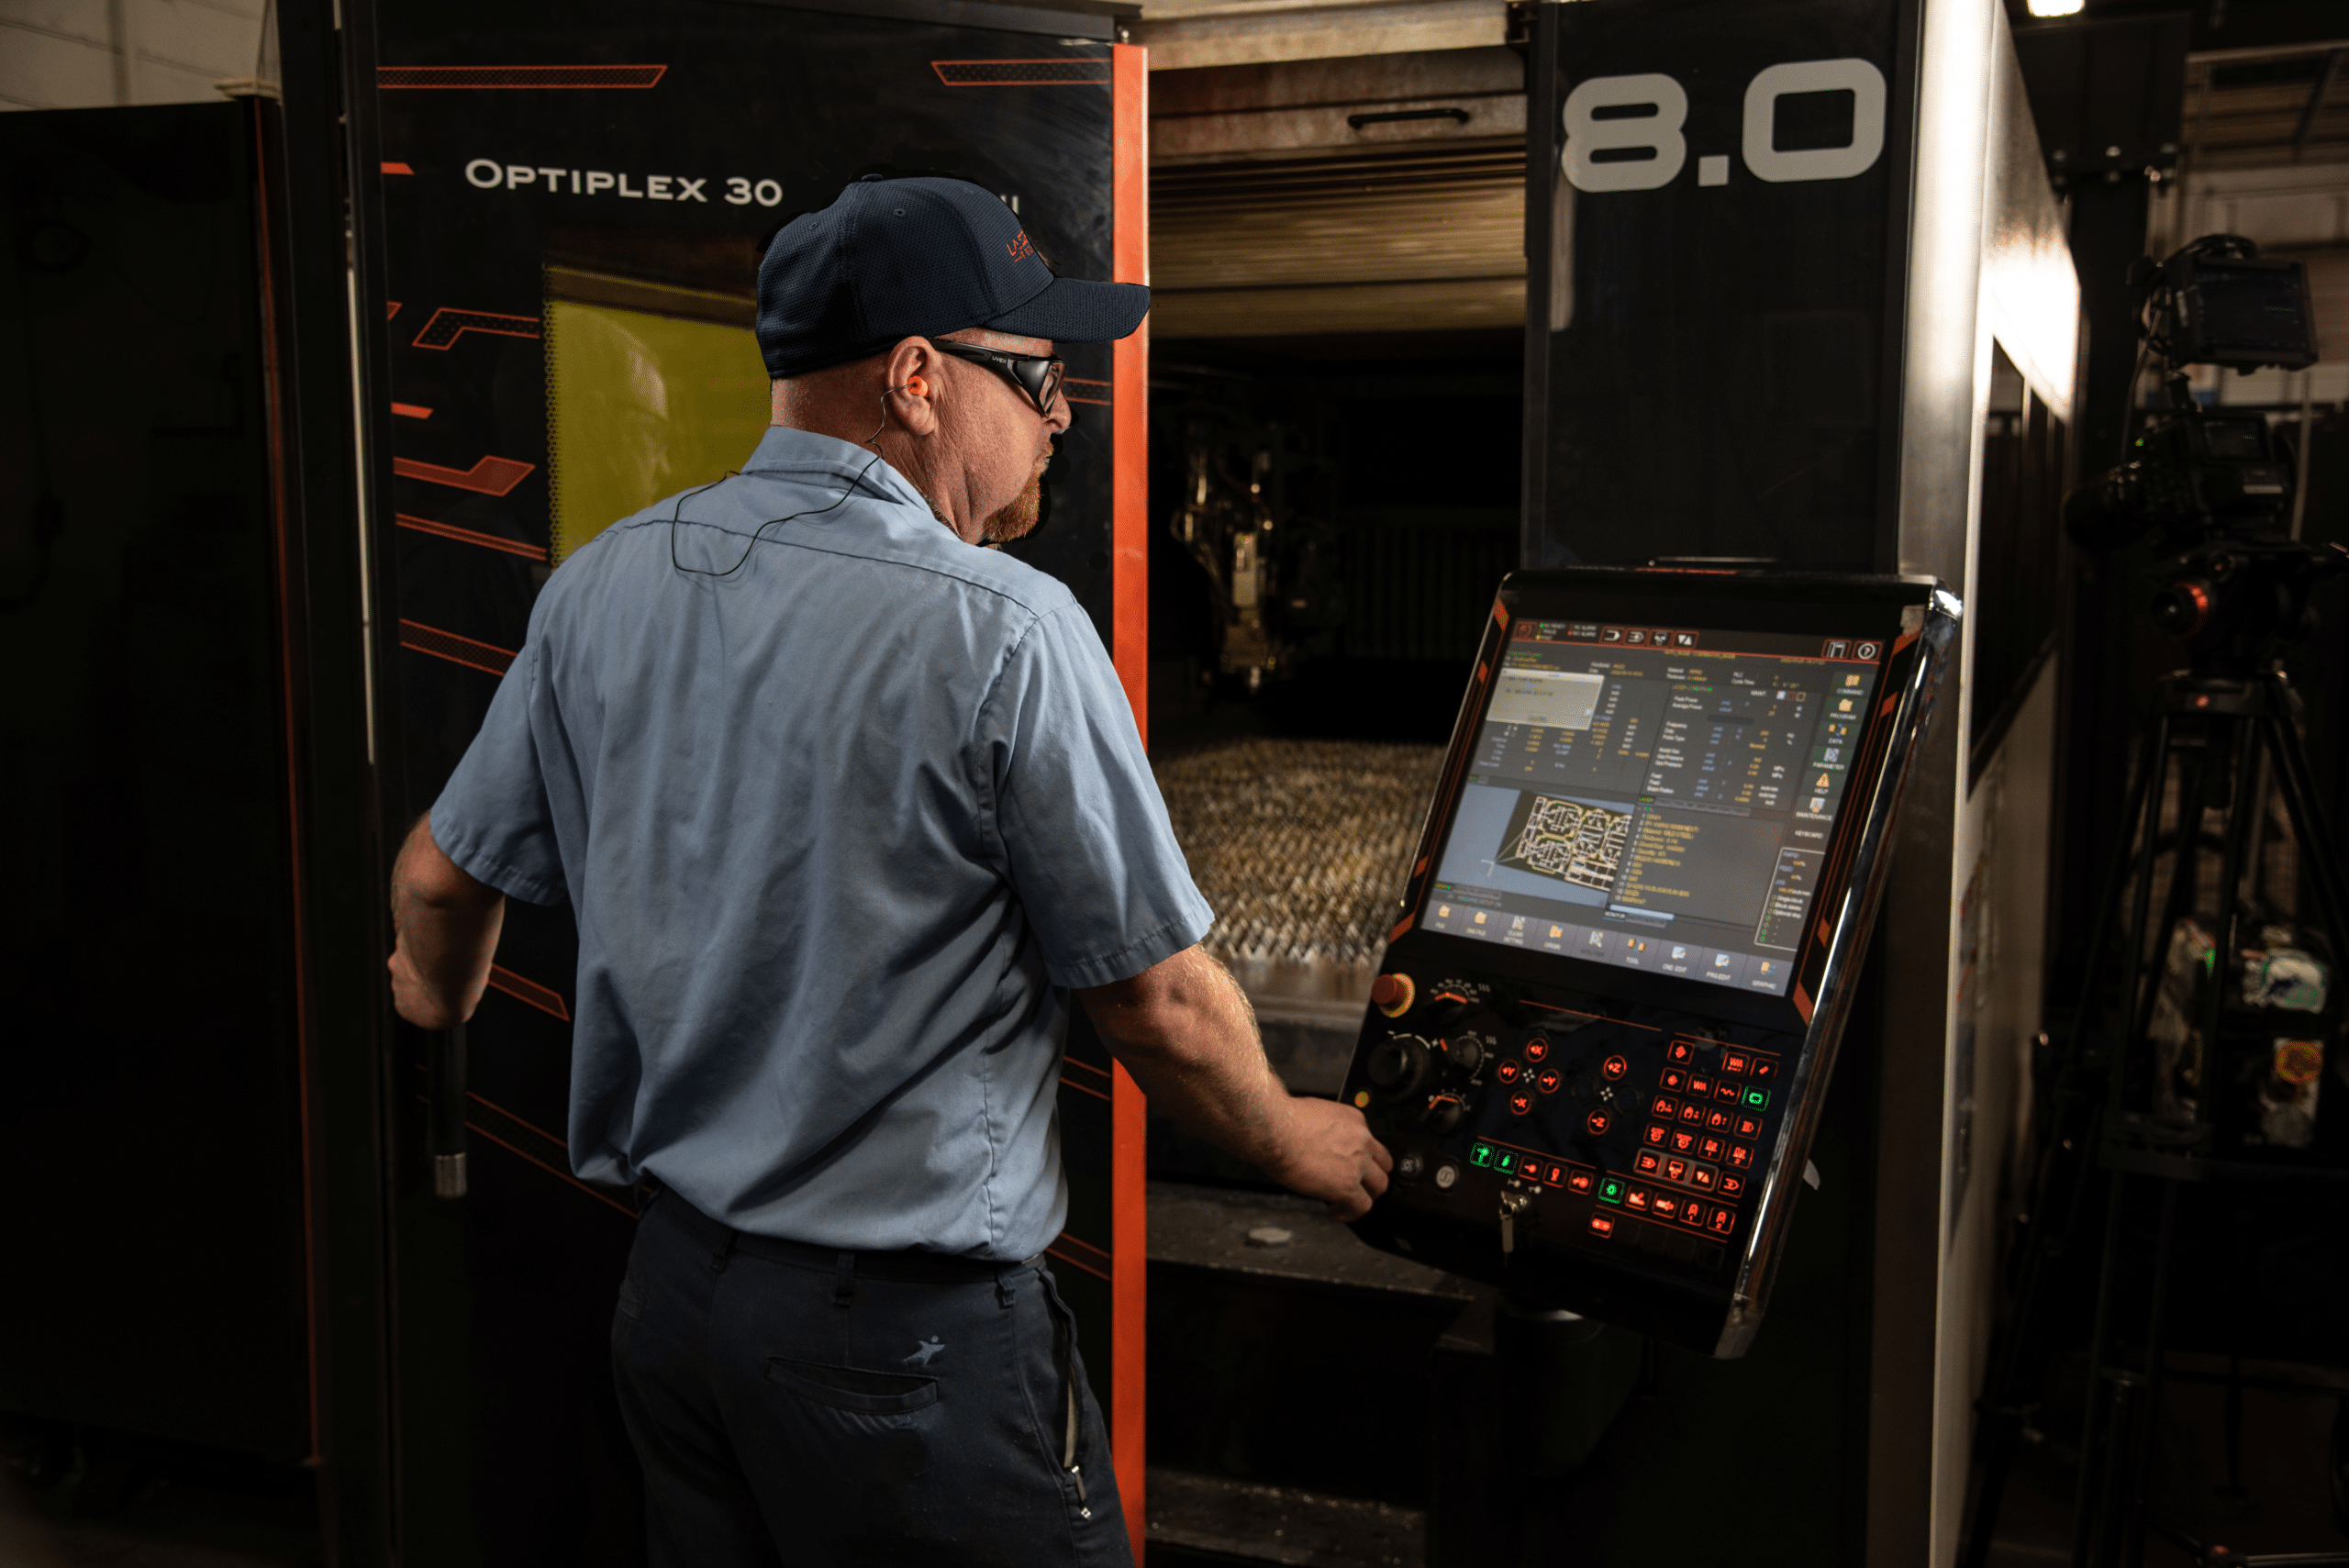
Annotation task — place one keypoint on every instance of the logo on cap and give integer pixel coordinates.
(1021, 250)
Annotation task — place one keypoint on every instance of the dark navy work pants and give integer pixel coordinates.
(797, 1406)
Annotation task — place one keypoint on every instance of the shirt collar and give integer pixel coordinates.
(786, 452)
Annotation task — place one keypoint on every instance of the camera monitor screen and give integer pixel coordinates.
(1658, 799)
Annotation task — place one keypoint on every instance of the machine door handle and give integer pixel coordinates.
(445, 1118)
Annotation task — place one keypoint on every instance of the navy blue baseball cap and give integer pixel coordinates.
(920, 257)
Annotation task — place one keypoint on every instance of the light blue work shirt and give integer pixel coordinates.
(838, 829)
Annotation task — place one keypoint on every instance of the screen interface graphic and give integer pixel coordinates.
(1656, 798)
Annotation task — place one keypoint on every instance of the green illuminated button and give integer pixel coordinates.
(1757, 1098)
(1481, 1154)
(1504, 1161)
(1610, 1189)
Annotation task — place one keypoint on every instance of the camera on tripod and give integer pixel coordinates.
(2213, 490)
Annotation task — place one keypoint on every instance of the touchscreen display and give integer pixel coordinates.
(1656, 798)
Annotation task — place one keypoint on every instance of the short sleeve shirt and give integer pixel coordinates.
(839, 826)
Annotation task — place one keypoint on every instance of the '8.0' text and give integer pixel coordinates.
(1609, 149)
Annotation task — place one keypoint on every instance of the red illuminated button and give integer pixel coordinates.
(1741, 1156)
(1735, 1062)
(1725, 1090)
(1691, 1112)
(1636, 1199)
(1666, 1107)
(1553, 1174)
(1508, 1070)
(1537, 1049)
(1731, 1185)
(1675, 1170)
(1749, 1127)
(1614, 1067)
(1649, 1163)
(1549, 1080)
(1667, 1206)
(1602, 1225)
(1578, 1180)
(1680, 1053)
(1765, 1067)
(1675, 1080)
(1700, 1084)
(1722, 1222)
(1520, 1104)
(1710, 1148)
(1693, 1213)
(1683, 1141)
(1703, 1176)
(1598, 1121)
(1718, 1120)
(1655, 1134)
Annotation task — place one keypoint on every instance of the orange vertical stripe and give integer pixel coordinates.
(1130, 649)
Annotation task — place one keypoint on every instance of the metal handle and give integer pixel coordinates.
(445, 1119)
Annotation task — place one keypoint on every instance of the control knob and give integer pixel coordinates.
(1397, 1064)
(1443, 1114)
(1464, 1053)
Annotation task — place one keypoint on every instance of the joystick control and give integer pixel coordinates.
(1397, 1064)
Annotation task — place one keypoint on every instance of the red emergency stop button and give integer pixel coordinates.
(1392, 993)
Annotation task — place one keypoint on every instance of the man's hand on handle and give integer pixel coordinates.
(447, 925)
(1185, 1031)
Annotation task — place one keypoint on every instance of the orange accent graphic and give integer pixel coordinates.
(490, 477)
(1064, 70)
(1803, 1003)
(446, 326)
(467, 535)
(1078, 381)
(1021, 250)
(1085, 1255)
(478, 76)
(1130, 647)
(486, 657)
(390, 309)
(1069, 1082)
(511, 1149)
(390, 168)
(529, 992)
(411, 410)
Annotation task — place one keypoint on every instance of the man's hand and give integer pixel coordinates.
(447, 925)
(1329, 1154)
(1185, 1031)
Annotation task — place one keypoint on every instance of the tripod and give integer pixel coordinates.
(2224, 736)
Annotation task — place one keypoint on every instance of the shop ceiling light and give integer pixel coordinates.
(2054, 7)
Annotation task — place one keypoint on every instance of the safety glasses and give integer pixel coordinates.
(1038, 375)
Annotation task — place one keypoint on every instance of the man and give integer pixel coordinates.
(846, 804)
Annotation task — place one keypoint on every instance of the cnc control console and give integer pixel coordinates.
(1606, 1017)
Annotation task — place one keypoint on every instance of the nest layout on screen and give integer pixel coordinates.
(1655, 797)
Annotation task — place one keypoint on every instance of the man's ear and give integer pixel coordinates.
(911, 376)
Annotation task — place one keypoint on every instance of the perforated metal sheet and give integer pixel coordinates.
(1301, 846)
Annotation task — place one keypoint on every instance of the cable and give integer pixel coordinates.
(679, 509)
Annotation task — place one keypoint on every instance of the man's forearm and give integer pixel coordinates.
(1185, 1032)
(447, 925)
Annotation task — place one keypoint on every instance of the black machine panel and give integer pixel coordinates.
(1606, 1020)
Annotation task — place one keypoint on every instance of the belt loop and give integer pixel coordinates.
(1004, 1296)
(717, 1260)
(844, 1281)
